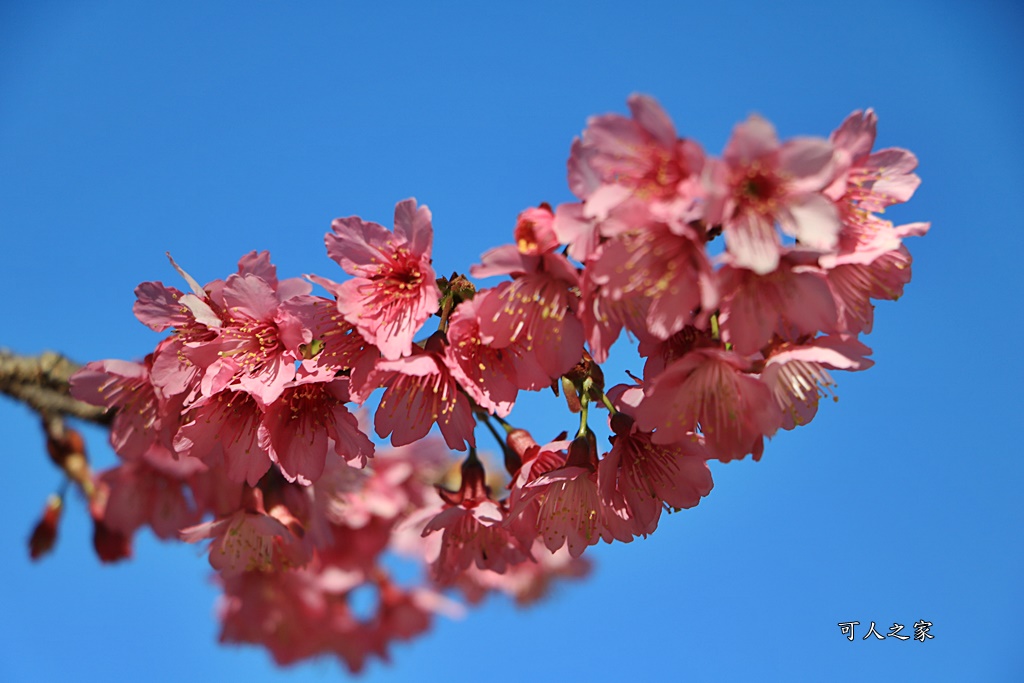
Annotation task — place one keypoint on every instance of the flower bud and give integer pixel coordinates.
(110, 545)
(44, 536)
(518, 441)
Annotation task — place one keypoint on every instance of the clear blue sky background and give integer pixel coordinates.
(209, 129)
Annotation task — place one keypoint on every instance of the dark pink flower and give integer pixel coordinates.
(250, 539)
(853, 286)
(286, 612)
(258, 344)
(623, 160)
(307, 423)
(603, 316)
(569, 510)
(793, 300)
(657, 270)
(491, 376)
(420, 390)
(797, 374)
(143, 421)
(870, 261)
(225, 428)
(393, 290)
(335, 345)
(871, 181)
(535, 310)
(137, 494)
(649, 476)
(710, 389)
(473, 529)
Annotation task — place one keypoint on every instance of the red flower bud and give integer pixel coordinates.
(44, 536)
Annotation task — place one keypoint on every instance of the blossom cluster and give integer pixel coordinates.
(248, 425)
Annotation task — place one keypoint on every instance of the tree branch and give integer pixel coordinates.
(43, 384)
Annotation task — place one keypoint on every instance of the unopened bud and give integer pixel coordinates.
(44, 536)
(519, 441)
(110, 545)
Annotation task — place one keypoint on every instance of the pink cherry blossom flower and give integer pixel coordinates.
(603, 316)
(224, 428)
(655, 270)
(393, 290)
(649, 476)
(871, 181)
(710, 389)
(213, 491)
(350, 497)
(258, 343)
(335, 345)
(620, 160)
(193, 316)
(473, 528)
(491, 376)
(536, 309)
(870, 261)
(570, 511)
(296, 614)
(251, 540)
(853, 286)
(570, 508)
(793, 300)
(308, 423)
(143, 422)
(797, 374)
(420, 390)
(136, 494)
(228, 332)
(759, 183)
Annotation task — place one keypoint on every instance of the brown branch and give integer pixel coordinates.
(43, 384)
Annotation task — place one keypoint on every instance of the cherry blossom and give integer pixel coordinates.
(392, 291)
(760, 182)
(247, 425)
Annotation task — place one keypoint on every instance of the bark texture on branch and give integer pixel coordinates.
(43, 384)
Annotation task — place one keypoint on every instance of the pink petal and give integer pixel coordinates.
(652, 118)
(813, 220)
(807, 162)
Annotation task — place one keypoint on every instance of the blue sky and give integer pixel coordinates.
(211, 129)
